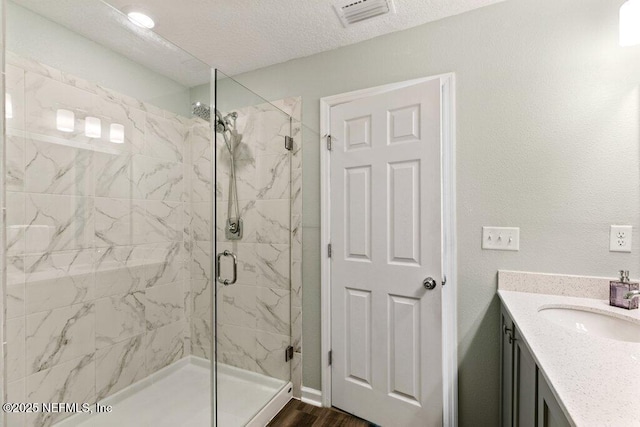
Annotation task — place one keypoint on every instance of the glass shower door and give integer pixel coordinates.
(253, 252)
(107, 176)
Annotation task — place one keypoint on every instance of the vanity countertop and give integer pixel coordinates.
(596, 380)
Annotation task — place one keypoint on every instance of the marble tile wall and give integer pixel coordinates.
(260, 316)
(107, 243)
(293, 107)
(200, 248)
(2, 258)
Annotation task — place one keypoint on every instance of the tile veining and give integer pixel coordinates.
(261, 313)
(101, 239)
(109, 273)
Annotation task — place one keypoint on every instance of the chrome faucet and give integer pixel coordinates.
(632, 294)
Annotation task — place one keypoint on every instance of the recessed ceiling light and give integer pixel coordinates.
(141, 20)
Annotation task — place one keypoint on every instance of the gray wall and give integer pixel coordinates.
(201, 93)
(547, 134)
(32, 36)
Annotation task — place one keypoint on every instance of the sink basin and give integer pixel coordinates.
(599, 324)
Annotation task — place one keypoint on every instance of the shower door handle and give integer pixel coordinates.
(227, 282)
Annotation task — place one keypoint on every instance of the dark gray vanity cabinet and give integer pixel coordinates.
(524, 383)
(549, 412)
(506, 362)
(526, 398)
(518, 378)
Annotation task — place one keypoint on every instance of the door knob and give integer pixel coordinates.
(429, 283)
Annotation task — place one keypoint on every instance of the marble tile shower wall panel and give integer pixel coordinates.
(255, 314)
(199, 244)
(293, 106)
(105, 241)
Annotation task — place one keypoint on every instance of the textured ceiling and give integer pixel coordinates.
(242, 35)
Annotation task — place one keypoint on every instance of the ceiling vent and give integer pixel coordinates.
(352, 11)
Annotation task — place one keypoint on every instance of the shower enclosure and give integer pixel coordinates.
(255, 158)
(131, 170)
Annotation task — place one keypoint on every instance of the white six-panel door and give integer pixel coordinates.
(386, 236)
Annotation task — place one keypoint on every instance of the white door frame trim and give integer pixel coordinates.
(449, 255)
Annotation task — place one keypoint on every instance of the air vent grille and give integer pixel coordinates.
(352, 11)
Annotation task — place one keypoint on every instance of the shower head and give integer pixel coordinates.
(201, 110)
(222, 123)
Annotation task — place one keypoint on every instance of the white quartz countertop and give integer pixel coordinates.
(596, 380)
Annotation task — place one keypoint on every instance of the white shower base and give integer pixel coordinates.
(249, 398)
(180, 396)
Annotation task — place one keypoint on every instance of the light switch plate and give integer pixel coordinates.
(501, 238)
(620, 238)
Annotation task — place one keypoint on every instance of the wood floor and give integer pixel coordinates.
(299, 414)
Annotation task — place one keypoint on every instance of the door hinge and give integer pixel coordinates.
(444, 280)
(330, 357)
(288, 143)
(288, 354)
(329, 250)
(329, 142)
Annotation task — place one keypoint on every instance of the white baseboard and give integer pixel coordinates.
(311, 396)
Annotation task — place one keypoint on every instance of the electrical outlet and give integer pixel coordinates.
(501, 238)
(620, 238)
